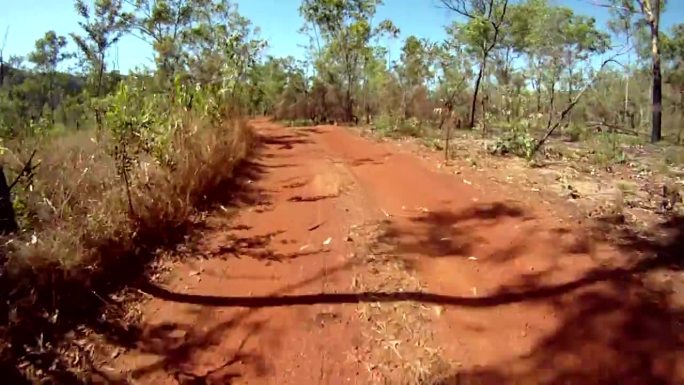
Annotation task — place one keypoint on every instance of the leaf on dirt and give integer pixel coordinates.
(327, 241)
(314, 227)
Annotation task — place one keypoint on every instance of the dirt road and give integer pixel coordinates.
(354, 261)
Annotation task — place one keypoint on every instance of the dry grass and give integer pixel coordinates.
(400, 347)
(80, 241)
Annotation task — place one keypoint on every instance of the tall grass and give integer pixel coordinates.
(89, 229)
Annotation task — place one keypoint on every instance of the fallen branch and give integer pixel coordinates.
(613, 128)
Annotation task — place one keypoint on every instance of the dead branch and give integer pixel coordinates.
(458, 6)
(612, 127)
(27, 170)
(572, 104)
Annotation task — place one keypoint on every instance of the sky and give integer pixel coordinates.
(278, 20)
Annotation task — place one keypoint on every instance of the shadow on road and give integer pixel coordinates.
(615, 326)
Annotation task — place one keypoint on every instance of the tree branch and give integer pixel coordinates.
(571, 105)
(27, 170)
(458, 6)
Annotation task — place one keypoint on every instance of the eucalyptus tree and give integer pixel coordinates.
(647, 13)
(346, 30)
(103, 24)
(414, 69)
(165, 25)
(481, 33)
(48, 54)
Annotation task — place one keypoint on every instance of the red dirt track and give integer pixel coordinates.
(521, 293)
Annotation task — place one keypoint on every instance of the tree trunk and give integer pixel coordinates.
(51, 98)
(626, 112)
(98, 113)
(8, 221)
(657, 98)
(484, 115)
(473, 105)
(657, 93)
(570, 85)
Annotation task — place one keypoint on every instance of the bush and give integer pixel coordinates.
(411, 127)
(517, 141)
(575, 132)
(101, 203)
(606, 149)
(385, 123)
(394, 127)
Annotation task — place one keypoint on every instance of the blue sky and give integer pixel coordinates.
(278, 20)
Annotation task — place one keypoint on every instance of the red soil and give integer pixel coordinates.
(523, 294)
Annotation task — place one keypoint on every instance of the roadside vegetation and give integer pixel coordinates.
(101, 169)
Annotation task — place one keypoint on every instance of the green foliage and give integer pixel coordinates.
(606, 149)
(517, 141)
(575, 132)
(385, 124)
(388, 125)
(346, 30)
(103, 26)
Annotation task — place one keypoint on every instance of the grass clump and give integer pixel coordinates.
(606, 149)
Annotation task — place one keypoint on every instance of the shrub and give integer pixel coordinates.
(516, 141)
(575, 132)
(411, 127)
(606, 149)
(385, 123)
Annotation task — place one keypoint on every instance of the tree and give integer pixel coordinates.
(481, 33)
(345, 27)
(103, 26)
(649, 11)
(47, 56)
(673, 62)
(413, 69)
(166, 24)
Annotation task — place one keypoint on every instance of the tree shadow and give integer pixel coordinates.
(618, 326)
(258, 247)
(445, 233)
(615, 326)
(286, 141)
